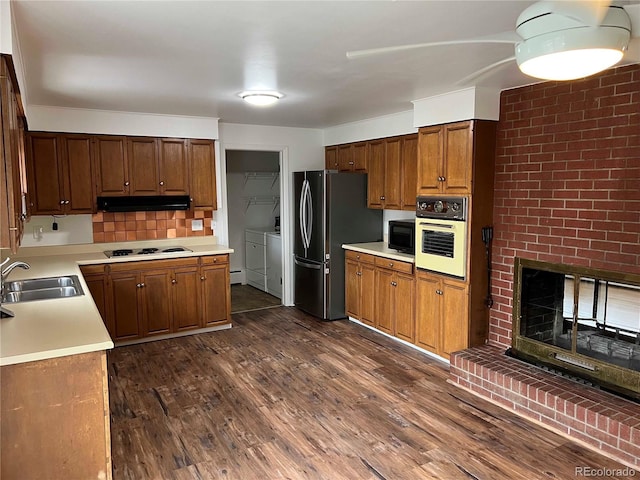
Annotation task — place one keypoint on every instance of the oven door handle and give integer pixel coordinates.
(437, 225)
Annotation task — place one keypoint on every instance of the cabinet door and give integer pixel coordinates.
(255, 257)
(46, 174)
(384, 300)
(185, 286)
(427, 312)
(97, 284)
(368, 293)
(392, 167)
(430, 155)
(216, 297)
(331, 158)
(274, 265)
(457, 166)
(173, 167)
(142, 154)
(409, 171)
(156, 302)
(203, 176)
(111, 167)
(78, 174)
(360, 150)
(123, 305)
(455, 317)
(375, 180)
(404, 309)
(353, 294)
(345, 158)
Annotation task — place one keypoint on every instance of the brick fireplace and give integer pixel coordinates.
(567, 191)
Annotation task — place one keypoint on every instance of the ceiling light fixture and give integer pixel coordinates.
(561, 47)
(261, 99)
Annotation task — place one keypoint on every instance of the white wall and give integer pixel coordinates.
(300, 149)
(6, 28)
(77, 120)
(72, 230)
(379, 127)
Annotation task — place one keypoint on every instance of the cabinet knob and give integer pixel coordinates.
(66, 202)
(358, 257)
(394, 284)
(350, 163)
(174, 281)
(161, 183)
(61, 202)
(140, 285)
(439, 292)
(126, 184)
(359, 274)
(382, 197)
(203, 278)
(390, 264)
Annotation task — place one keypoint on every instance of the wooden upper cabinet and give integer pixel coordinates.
(78, 178)
(375, 180)
(445, 159)
(352, 157)
(173, 167)
(60, 173)
(142, 155)
(13, 185)
(111, 166)
(331, 158)
(409, 171)
(201, 158)
(392, 173)
(45, 174)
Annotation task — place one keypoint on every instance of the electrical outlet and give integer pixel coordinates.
(197, 225)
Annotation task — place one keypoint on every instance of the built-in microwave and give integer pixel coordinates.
(402, 235)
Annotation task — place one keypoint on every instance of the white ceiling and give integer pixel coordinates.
(194, 57)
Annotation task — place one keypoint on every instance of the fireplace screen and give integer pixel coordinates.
(583, 320)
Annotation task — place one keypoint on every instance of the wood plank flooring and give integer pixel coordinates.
(283, 395)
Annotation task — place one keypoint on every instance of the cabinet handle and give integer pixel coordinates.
(203, 278)
(126, 184)
(61, 202)
(66, 202)
(161, 183)
(382, 197)
(174, 281)
(439, 292)
(394, 284)
(350, 163)
(359, 274)
(140, 285)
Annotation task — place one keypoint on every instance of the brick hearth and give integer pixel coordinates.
(596, 418)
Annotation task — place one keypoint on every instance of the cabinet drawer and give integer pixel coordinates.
(394, 265)
(257, 280)
(93, 269)
(254, 237)
(360, 257)
(154, 264)
(214, 259)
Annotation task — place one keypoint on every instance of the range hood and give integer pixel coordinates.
(144, 203)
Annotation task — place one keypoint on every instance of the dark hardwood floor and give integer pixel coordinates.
(283, 395)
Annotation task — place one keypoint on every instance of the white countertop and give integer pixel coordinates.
(67, 326)
(380, 249)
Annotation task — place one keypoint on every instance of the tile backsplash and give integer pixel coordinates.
(129, 226)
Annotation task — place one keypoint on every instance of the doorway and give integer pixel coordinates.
(253, 200)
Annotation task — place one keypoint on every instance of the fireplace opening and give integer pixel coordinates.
(579, 320)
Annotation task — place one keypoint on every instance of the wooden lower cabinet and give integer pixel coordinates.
(360, 287)
(156, 297)
(394, 298)
(442, 314)
(55, 419)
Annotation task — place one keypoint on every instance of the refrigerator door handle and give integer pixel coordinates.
(302, 214)
(314, 266)
(310, 215)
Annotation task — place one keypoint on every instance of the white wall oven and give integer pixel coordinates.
(441, 235)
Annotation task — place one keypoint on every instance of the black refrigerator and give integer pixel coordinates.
(331, 209)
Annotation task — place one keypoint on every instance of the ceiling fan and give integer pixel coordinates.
(556, 40)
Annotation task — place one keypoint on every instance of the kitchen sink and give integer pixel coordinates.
(40, 283)
(42, 289)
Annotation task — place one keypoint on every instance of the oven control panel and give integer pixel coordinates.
(453, 208)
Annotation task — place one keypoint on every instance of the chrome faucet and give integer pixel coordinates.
(8, 269)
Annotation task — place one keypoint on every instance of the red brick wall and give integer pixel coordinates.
(567, 184)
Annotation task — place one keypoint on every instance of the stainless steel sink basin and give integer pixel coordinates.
(42, 289)
(40, 283)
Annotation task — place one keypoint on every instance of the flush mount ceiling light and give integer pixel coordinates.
(561, 46)
(261, 99)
